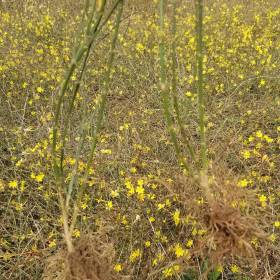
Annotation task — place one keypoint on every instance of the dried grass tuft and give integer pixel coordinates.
(229, 233)
(232, 218)
(91, 259)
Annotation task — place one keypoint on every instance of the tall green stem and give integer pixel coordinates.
(164, 87)
(100, 114)
(174, 86)
(90, 28)
(204, 182)
(199, 77)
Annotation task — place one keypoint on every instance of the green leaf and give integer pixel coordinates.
(189, 275)
(214, 275)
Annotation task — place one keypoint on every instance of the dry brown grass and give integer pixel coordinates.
(92, 259)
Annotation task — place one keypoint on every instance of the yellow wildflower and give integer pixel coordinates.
(39, 178)
(76, 233)
(272, 237)
(263, 200)
(40, 90)
(148, 244)
(246, 154)
(140, 192)
(277, 224)
(118, 267)
(135, 255)
(234, 268)
(189, 243)
(176, 217)
(243, 183)
(106, 151)
(259, 134)
(13, 184)
(52, 243)
(179, 251)
(109, 205)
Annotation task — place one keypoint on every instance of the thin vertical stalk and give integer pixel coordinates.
(204, 182)
(58, 168)
(199, 76)
(96, 29)
(100, 114)
(174, 85)
(164, 87)
(91, 26)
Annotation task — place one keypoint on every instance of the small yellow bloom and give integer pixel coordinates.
(106, 151)
(220, 268)
(13, 184)
(272, 237)
(118, 267)
(18, 206)
(40, 177)
(268, 139)
(115, 193)
(179, 251)
(133, 170)
(167, 202)
(76, 233)
(170, 271)
(189, 243)
(263, 200)
(148, 244)
(243, 183)
(130, 188)
(140, 48)
(251, 139)
(259, 134)
(246, 154)
(52, 243)
(141, 192)
(234, 268)
(135, 255)
(160, 206)
(40, 90)
(262, 82)
(277, 224)
(109, 205)
(176, 217)
(140, 182)
(84, 205)
(201, 232)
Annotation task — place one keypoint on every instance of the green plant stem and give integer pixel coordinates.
(174, 85)
(100, 115)
(199, 76)
(97, 29)
(204, 181)
(84, 47)
(165, 92)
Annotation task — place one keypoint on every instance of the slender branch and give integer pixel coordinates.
(165, 92)
(100, 115)
(199, 76)
(78, 54)
(174, 86)
(204, 180)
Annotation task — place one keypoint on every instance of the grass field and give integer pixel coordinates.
(139, 214)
